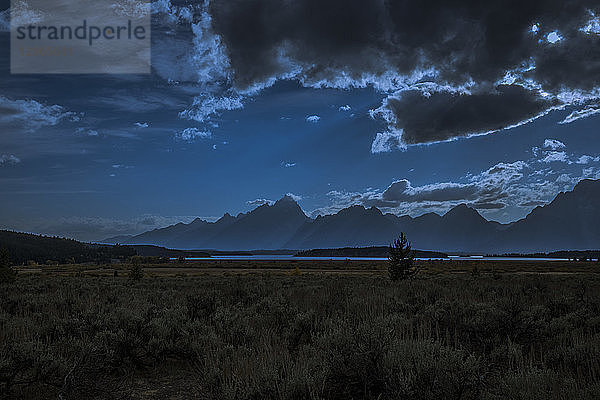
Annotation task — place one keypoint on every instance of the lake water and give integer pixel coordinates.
(290, 257)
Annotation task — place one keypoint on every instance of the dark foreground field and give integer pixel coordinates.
(308, 336)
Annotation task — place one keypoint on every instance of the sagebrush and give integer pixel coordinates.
(301, 337)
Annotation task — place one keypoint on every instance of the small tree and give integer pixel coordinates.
(401, 259)
(7, 273)
(136, 272)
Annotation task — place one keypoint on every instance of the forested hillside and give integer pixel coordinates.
(25, 247)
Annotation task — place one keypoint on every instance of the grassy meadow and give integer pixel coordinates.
(266, 332)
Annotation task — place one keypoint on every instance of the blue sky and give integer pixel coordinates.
(91, 156)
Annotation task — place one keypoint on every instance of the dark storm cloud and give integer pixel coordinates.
(571, 63)
(463, 46)
(461, 38)
(446, 69)
(441, 116)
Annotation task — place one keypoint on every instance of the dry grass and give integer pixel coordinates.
(345, 267)
(297, 335)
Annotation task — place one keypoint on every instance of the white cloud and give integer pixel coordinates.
(141, 124)
(202, 61)
(288, 164)
(495, 188)
(21, 14)
(31, 115)
(178, 59)
(387, 141)
(191, 134)
(593, 173)
(403, 191)
(553, 144)
(585, 159)
(313, 118)
(583, 113)
(502, 173)
(170, 12)
(206, 106)
(5, 21)
(345, 108)
(554, 37)
(566, 178)
(87, 131)
(9, 159)
(130, 8)
(295, 197)
(514, 187)
(553, 151)
(260, 202)
(535, 28)
(593, 25)
(555, 156)
(210, 57)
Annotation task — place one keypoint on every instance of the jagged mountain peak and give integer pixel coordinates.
(286, 202)
(375, 211)
(284, 206)
(227, 215)
(198, 221)
(225, 218)
(286, 199)
(462, 211)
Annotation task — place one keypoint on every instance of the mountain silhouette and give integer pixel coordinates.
(266, 227)
(571, 221)
(351, 227)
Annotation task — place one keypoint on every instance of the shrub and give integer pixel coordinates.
(331, 337)
(401, 259)
(7, 274)
(136, 272)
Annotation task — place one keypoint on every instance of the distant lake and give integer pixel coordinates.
(290, 257)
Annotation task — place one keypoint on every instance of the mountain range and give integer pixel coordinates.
(570, 221)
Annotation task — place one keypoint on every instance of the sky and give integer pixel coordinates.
(411, 107)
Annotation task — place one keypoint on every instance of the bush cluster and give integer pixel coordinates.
(301, 337)
(7, 273)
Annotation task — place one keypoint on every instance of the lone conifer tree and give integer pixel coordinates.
(135, 269)
(401, 259)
